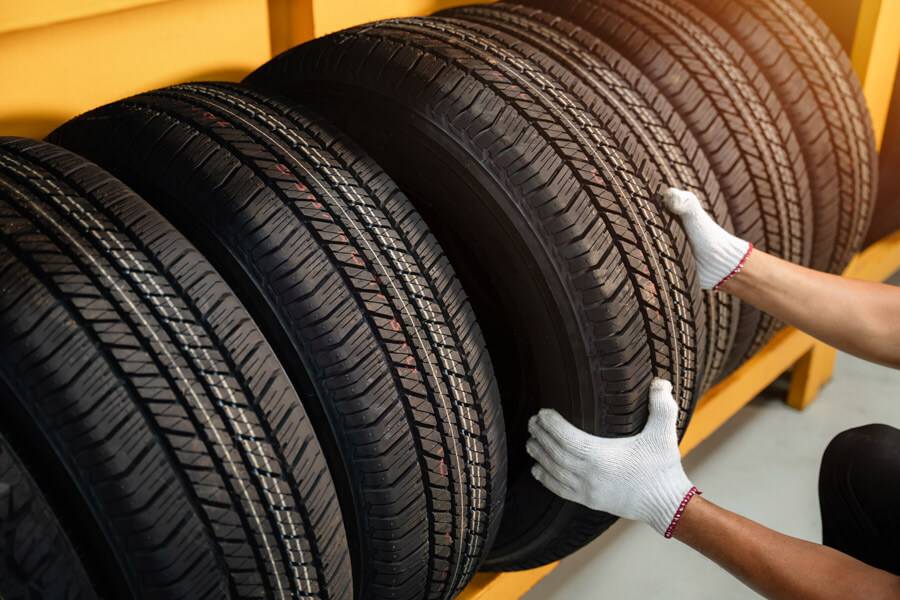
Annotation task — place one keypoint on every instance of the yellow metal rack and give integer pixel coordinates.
(59, 58)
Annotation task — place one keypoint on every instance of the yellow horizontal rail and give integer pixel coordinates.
(496, 586)
(733, 393)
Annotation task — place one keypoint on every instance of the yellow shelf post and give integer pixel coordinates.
(811, 372)
(876, 49)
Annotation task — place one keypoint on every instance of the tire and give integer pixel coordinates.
(579, 284)
(823, 99)
(730, 108)
(158, 420)
(617, 88)
(357, 298)
(37, 559)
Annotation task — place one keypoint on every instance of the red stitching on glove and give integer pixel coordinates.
(735, 270)
(687, 498)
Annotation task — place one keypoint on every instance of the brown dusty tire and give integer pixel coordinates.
(822, 97)
(615, 87)
(37, 558)
(359, 302)
(146, 402)
(582, 287)
(732, 111)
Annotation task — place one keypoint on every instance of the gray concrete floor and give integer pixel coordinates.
(762, 464)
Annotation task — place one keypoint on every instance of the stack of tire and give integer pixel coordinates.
(534, 138)
(275, 390)
(254, 373)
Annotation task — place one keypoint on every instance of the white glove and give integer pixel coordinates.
(720, 255)
(637, 477)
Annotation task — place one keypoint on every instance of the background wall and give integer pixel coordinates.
(59, 58)
(63, 62)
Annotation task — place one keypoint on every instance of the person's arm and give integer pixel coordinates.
(778, 566)
(858, 317)
(641, 478)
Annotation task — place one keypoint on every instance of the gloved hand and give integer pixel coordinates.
(719, 254)
(637, 477)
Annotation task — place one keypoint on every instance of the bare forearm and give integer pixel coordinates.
(779, 566)
(859, 317)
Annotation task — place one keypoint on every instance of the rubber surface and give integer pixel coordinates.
(619, 89)
(822, 97)
(732, 111)
(358, 300)
(581, 284)
(37, 559)
(153, 413)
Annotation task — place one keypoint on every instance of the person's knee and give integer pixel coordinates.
(859, 492)
(876, 446)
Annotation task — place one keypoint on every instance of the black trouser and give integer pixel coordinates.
(859, 493)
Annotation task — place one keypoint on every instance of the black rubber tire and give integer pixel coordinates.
(582, 285)
(732, 111)
(823, 99)
(618, 88)
(146, 402)
(358, 300)
(37, 558)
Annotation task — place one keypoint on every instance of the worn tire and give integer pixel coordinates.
(358, 300)
(822, 97)
(150, 408)
(615, 87)
(732, 111)
(581, 285)
(37, 558)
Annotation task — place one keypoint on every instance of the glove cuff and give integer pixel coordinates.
(739, 252)
(662, 503)
(670, 530)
